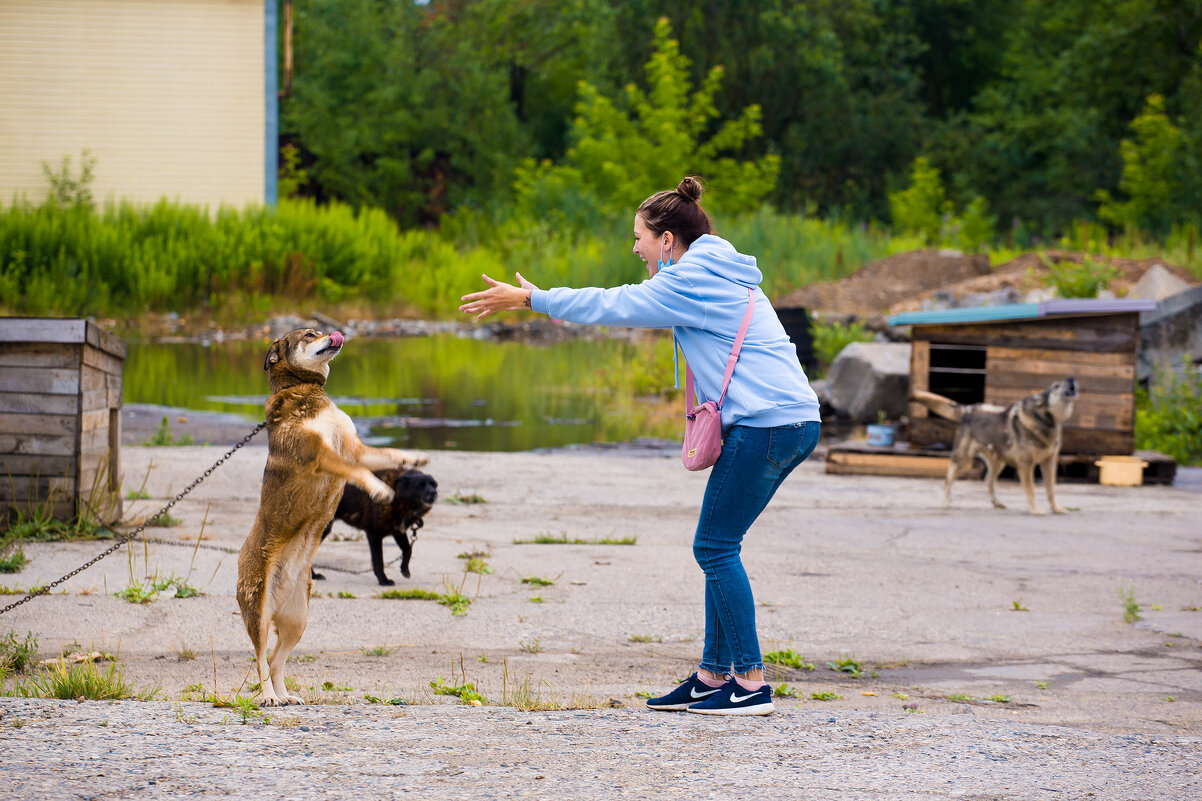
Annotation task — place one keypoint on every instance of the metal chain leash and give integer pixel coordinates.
(43, 590)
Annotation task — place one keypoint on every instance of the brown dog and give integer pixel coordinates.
(313, 451)
(1024, 434)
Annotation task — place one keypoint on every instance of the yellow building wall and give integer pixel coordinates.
(168, 95)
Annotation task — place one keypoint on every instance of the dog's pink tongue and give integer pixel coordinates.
(337, 338)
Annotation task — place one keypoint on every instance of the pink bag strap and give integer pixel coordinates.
(690, 395)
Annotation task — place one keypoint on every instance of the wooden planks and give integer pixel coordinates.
(1109, 333)
(60, 396)
(859, 458)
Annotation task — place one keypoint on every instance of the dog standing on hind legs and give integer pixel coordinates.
(1024, 434)
(312, 453)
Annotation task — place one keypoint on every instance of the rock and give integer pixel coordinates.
(868, 377)
(1157, 283)
(1170, 333)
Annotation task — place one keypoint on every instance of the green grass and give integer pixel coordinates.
(477, 565)
(563, 539)
(464, 500)
(14, 590)
(1131, 607)
(465, 692)
(962, 698)
(825, 696)
(379, 650)
(785, 691)
(535, 581)
(375, 699)
(788, 658)
(16, 655)
(84, 680)
(14, 560)
(163, 437)
(456, 601)
(847, 665)
(171, 586)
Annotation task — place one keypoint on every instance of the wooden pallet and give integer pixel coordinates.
(856, 457)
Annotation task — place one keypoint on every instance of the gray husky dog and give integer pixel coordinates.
(1024, 434)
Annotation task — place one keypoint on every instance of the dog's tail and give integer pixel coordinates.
(944, 407)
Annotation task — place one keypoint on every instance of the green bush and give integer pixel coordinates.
(831, 338)
(1084, 280)
(1168, 416)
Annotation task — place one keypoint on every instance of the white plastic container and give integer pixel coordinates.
(1121, 471)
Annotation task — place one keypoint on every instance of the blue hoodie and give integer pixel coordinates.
(703, 298)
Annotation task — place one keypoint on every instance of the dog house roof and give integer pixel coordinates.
(1023, 311)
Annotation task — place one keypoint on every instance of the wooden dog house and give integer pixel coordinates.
(60, 418)
(999, 354)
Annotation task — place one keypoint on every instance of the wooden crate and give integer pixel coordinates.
(60, 418)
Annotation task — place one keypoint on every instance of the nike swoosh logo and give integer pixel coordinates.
(738, 699)
(693, 692)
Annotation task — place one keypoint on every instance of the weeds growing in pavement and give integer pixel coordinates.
(563, 539)
(847, 665)
(477, 565)
(1017, 606)
(787, 658)
(1131, 607)
(644, 638)
(70, 681)
(16, 655)
(163, 436)
(459, 499)
(961, 698)
(825, 696)
(465, 692)
(12, 557)
(535, 581)
(184, 653)
(379, 650)
(375, 699)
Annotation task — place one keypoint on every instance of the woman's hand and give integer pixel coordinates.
(500, 296)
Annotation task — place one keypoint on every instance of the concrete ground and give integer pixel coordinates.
(979, 633)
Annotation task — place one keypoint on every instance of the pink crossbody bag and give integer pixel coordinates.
(703, 424)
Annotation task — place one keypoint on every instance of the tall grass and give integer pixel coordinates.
(242, 264)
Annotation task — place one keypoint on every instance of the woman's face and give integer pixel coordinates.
(648, 245)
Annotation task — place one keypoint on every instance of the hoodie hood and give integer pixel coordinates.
(716, 255)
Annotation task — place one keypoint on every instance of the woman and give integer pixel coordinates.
(769, 419)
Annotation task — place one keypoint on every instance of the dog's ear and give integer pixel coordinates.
(273, 354)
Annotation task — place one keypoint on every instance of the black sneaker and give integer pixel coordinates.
(690, 691)
(733, 699)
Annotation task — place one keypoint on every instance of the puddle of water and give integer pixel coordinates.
(442, 391)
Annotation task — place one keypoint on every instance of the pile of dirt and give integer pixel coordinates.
(878, 285)
(925, 279)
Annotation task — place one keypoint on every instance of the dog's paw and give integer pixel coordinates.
(271, 700)
(412, 459)
(1059, 510)
(1035, 510)
(294, 699)
(380, 492)
(386, 582)
(999, 505)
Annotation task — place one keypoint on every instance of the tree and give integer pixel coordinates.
(1151, 179)
(623, 150)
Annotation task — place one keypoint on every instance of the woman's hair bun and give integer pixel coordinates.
(690, 188)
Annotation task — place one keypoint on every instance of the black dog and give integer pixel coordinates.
(415, 495)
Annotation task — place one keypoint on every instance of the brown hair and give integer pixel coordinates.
(677, 210)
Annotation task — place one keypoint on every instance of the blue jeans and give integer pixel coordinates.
(753, 464)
